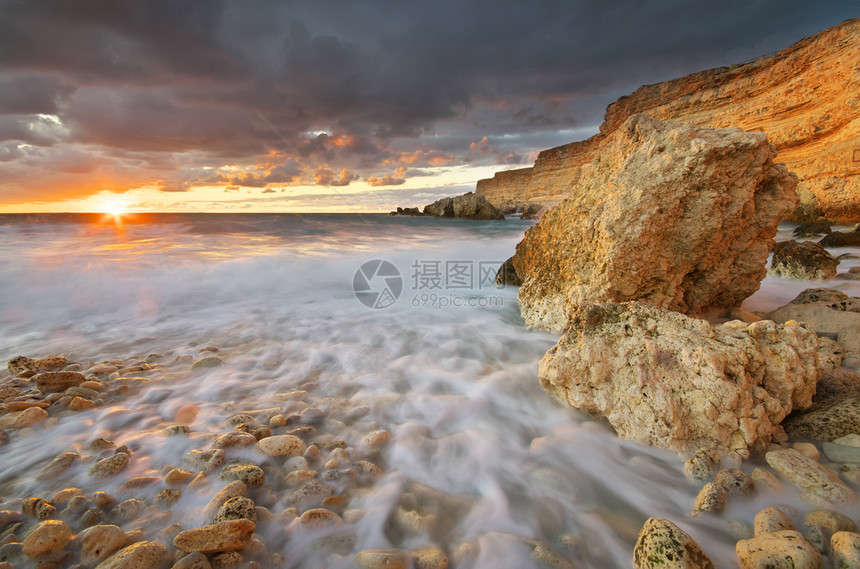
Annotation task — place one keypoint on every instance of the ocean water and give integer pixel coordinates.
(383, 323)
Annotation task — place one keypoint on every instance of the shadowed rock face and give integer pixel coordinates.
(671, 215)
(804, 98)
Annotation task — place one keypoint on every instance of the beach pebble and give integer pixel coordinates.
(21, 419)
(236, 509)
(176, 476)
(168, 497)
(224, 536)
(766, 480)
(298, 477)
(817, 484)
(21, 405)
(702, 466)
(663, 545)
(80, 404)
(841, 453)
(194, 560)
(311, 493)
(277, 421)
(845, 549)
(382, 559)
(109, 466)
(281, 445)
(38, 508)
(785, 549)
(207, 362)
(235, 489)
(227, 560)
(250, 474)
(139, 555)
(47, 537)
(807, 449)
(99, 542)
(712, 498)
(58, 466)
(63, 496)
(429, 558)
(205, 460)
(852, 440)
(820, 525)
(129, 509)
(102, 369)
(376, 438)
(234, 438)
(91, 517)
(735, 481)
(770, 520)
(54, 381)
(21, 364)
(317, 518)
(103, 500)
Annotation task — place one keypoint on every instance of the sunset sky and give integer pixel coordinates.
(331, 105)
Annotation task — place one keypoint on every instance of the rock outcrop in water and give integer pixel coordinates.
(804, 98)
(663, 379)
(467, 206)
(672, 215)
(803, 260)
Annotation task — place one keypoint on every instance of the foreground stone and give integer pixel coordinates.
(281, 445)
(56, 381)
(148, 554)
(47, 537)
(100, 542)
(671, 215)
(663, 545)
(663, 379)
(805, 261)
(382, 559)
(785, 549)
(817, 484)
(845, 549)
(26, 418)
(224, 536)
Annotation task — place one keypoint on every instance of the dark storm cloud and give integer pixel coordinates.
(290, 91)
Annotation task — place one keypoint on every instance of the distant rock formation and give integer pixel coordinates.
(804, 98)
(666, 380)
(672, 215)
(467, 206)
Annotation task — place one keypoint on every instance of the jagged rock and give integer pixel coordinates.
(820, 295)
(802, 97)
(805, 261)
(467, 206)
(823, 317)
(785, 549)
(663, 545)
(507, 274)
(410, 211)
(22, 364)
(826, 421)
(812, 228)
(663, 379)
(674, 216)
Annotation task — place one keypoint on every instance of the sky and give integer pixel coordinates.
(333, 105)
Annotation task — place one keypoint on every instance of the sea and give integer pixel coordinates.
(382, 323)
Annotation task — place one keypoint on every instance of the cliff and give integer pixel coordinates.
(806, 98)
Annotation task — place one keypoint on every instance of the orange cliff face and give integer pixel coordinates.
(806, 98)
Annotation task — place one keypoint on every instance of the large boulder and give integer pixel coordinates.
(667, 380)
(467, 206)
(802, 260)
(676, 216)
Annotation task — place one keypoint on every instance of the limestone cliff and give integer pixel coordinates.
(806, 98)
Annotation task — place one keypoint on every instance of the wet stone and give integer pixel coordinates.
(817, 484)
(235, 489)
(81, 404)
(195, 560)
(58, 466)
(382, 559)
(100, 542)
(205, 460)
(143, 554)
(820, 525)
(702, 466)
(712, 498)
(429, 558)
(785, 549)
(845, 550)
(54, 381)
(770, 520)
(234, 438)
(178, 476)
(766, 480)
(663, 545)
(168, 497)
(110, 466)
(22, 419)
(735, 481)
(236, 509)
(281, 445)
(311, 493)
(226, 560)
(47, 537)
(250, 474)
(207, 363)
(224, 536)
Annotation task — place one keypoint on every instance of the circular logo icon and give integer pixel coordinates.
(377, 284)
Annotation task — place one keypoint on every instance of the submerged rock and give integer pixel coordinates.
(663, 379)
(507, 275)
(785, 549)
(672, 215)
(817, 484)
(805, 260)
(663, 545)
(228, 535)
(56, 381)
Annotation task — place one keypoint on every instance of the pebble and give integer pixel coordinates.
(47, 537)
(54, 381)
(140, 555)
(702, 466)
(21, 364)
(735, 481)
(712, 498)
(250, 474)
(38, 508)
(194, 560)
(110, 466)
(281, 445)
(205, 460)
(207, 362)
(178, 476)
(168, 497)
(237, 508)
(100, 542)
(820, 525)
(58, 466)
(80, 404)
(376, 439)
(186, 414)
(779, 550)
(297, 477)
(841, 453)
(103, 500)
(224, 536)
(429, 558)
(235, 489)
(21, 405)
(102, 369)
(65, 495)
(771, 520)
(663, 545)
(310, 493)
(382, 559)
(845, 549)
(817, 484)
(807, 449)
(766, 480)
(234, 438)
(227, 560)
(21, 419)
(317, 518)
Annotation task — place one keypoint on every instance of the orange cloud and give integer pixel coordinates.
(325, 176)
(389, 180)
